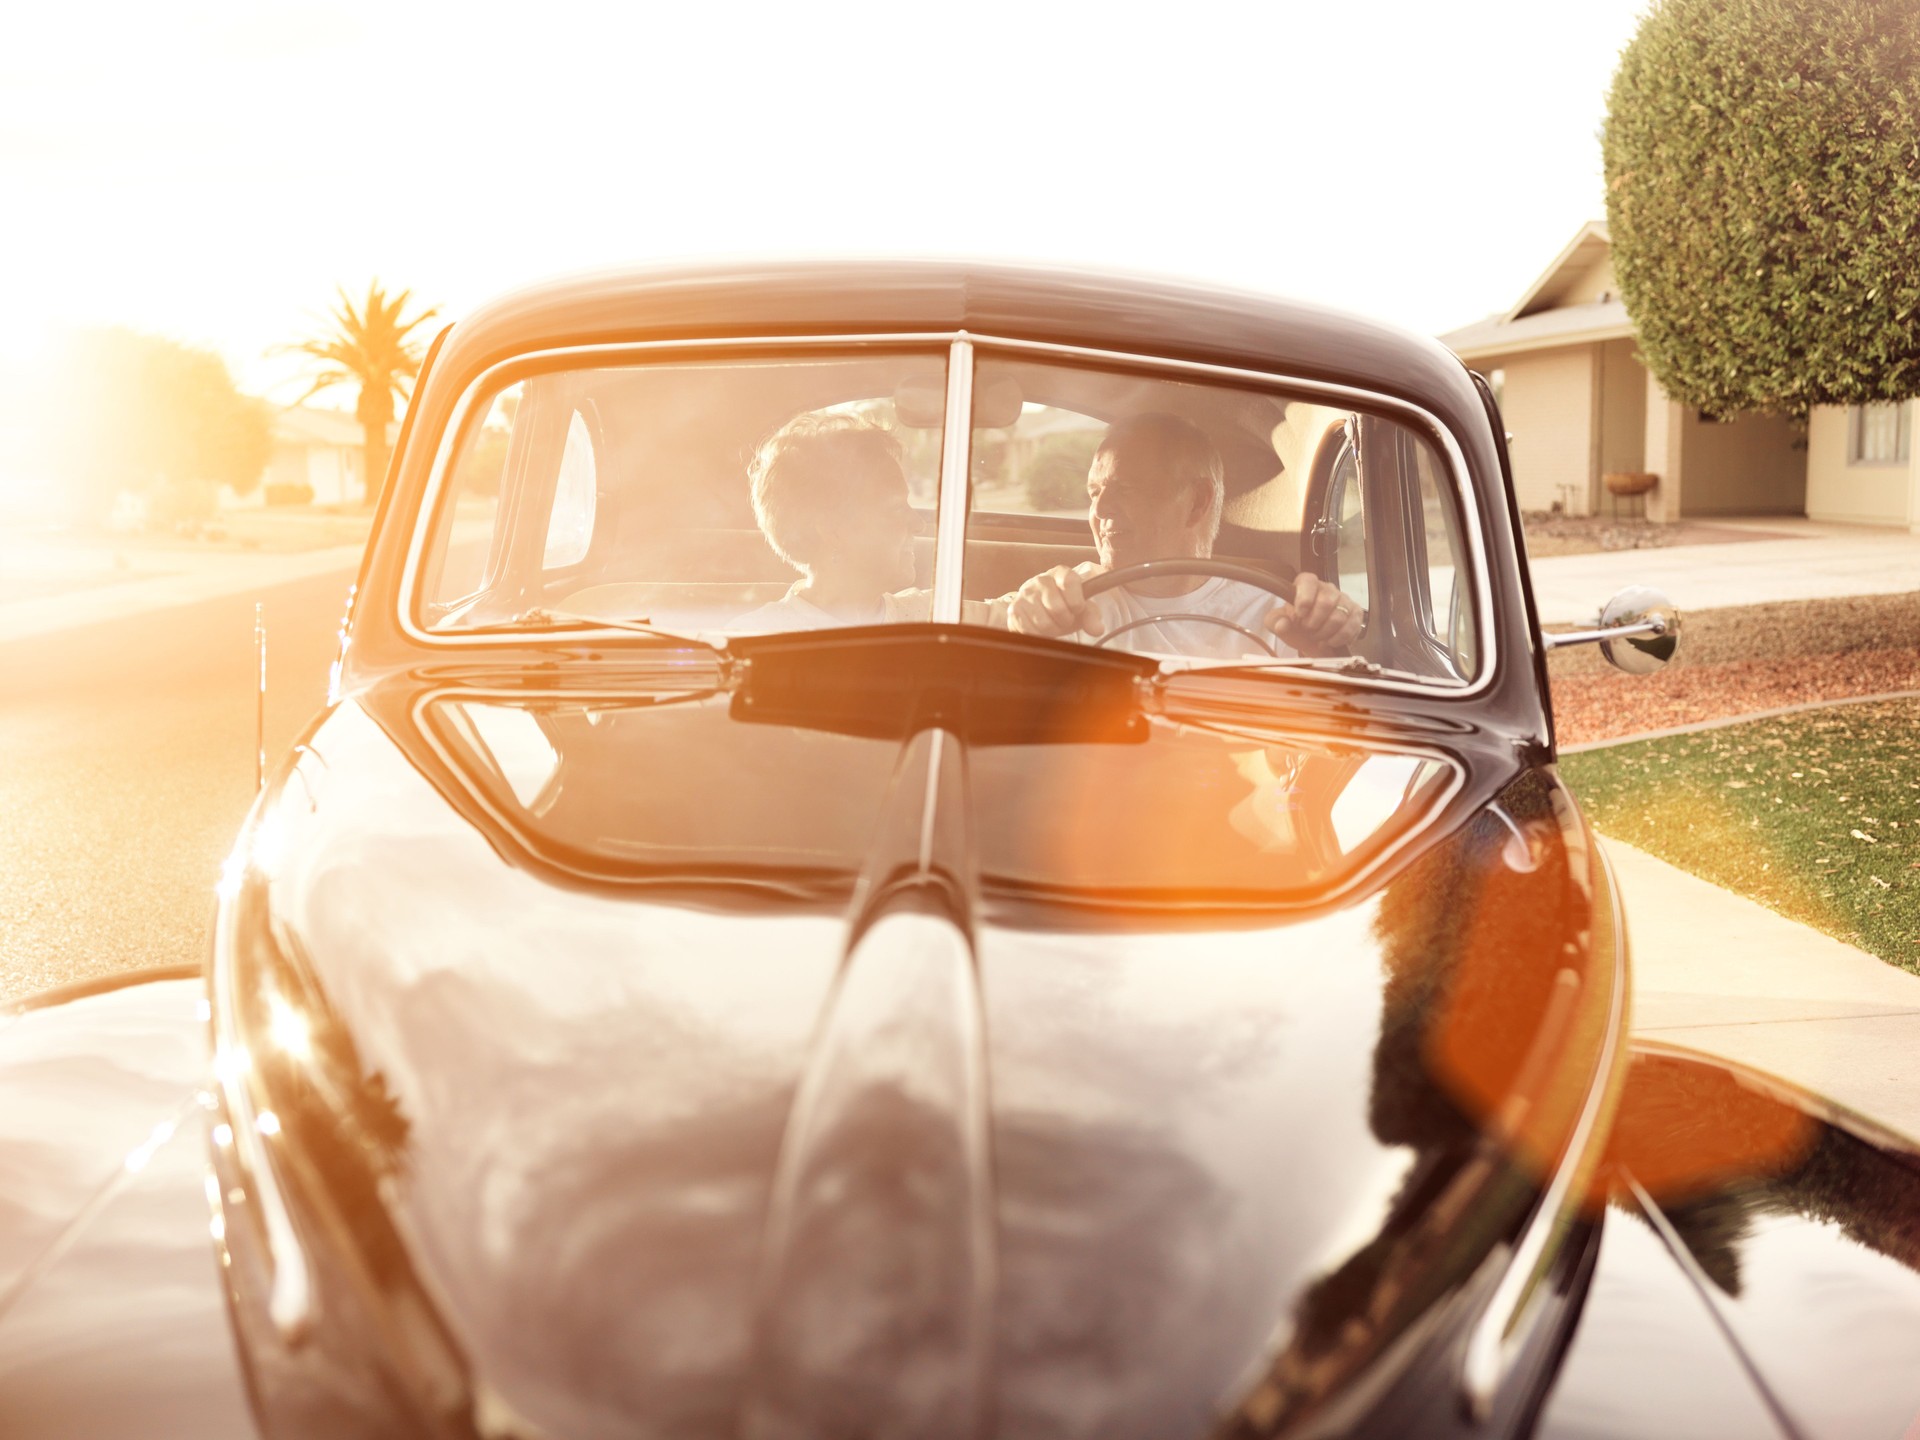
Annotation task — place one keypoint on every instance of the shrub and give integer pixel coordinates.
(122, 410)
(282, 492)
(1055, 475)
(1762, 162)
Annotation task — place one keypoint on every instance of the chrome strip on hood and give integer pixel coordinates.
(877, 1290)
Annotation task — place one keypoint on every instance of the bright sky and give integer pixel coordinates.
(211, 170)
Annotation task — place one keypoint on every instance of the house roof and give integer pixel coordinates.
(1590, 246)
(1569, 325)
(1543, 316)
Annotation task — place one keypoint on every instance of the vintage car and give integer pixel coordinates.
(932, 850)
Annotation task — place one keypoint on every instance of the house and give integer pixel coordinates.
(1579, 405)
(319, 449)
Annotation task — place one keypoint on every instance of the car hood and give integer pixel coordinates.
(908, 1082)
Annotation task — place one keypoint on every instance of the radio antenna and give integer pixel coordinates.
(260, 697)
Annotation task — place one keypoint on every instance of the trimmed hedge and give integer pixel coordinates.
(1762, 163)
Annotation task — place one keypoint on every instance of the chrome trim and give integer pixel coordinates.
(1708, 1291)
(930, 801)
(956, 486)
(290, 1299)
(1489, 639)
(1557, 640)
(1488, 1355)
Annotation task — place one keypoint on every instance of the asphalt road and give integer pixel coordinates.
(126, 767)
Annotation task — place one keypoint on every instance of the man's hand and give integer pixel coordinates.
(1053, 603)
(1320, 621)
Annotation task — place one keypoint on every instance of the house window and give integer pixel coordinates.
(1878, 434)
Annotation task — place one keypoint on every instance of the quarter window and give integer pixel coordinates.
(1348, 511)
(570, 527)
(1448, 594)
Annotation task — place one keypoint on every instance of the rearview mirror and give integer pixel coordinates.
(1639, 631)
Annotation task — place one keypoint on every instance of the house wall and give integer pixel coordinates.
(1856, 494)
(1593, 283)
(1666, 426)
(334, 474)
(287, 465)
(1548, 406)
(1750, 465)
(1623, 408)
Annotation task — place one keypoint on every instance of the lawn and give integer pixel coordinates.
(1814, 815)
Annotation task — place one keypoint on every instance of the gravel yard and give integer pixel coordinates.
(1549, 534)
(1739, 661)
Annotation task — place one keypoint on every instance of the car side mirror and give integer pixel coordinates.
(1639, 631)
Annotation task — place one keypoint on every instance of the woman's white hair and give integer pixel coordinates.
(800, 478)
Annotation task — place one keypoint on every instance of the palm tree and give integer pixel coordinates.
(368, 347)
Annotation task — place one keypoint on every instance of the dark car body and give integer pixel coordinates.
(926, 1030)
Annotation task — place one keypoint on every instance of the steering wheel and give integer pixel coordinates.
(1222, 569)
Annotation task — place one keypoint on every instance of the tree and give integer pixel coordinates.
(123, 410)
(1055, 474)
(1762, 162)
(370, 348)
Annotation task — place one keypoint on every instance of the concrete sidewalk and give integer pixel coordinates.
(1716, 972)
(1789, 559)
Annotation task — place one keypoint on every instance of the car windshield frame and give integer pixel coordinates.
(953, 506)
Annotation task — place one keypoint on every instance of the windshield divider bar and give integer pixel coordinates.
(956, 456)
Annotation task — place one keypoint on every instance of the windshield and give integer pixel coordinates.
(1122, 507)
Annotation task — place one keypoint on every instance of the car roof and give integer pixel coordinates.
(1093, 309)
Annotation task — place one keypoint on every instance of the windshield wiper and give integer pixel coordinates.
(1336, 664)
(539, 615)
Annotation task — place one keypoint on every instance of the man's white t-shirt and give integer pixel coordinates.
(1245, 605)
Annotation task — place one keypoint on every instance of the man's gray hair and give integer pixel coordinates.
(1179, 449)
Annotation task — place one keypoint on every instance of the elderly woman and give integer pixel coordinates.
(831, 497)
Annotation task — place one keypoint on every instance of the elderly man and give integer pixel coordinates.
(1155, 490)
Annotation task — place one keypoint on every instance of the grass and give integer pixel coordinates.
(1815, 815)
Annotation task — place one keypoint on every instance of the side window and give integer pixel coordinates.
(1346, 510)
(570, 525)
(478, 479)
(1449, 615)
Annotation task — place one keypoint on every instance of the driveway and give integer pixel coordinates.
(1788, 559)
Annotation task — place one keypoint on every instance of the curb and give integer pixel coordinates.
(1730, 720)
